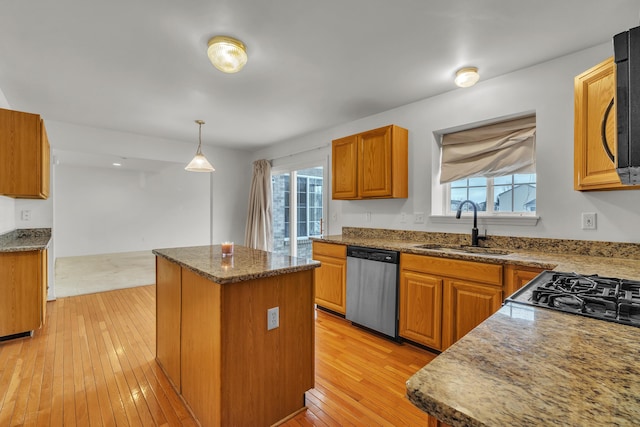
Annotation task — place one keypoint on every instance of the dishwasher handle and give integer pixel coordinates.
(379, 255)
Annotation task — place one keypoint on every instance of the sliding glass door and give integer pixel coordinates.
(302, 189)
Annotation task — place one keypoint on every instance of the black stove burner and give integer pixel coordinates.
(606, 298)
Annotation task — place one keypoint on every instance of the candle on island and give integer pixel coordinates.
(227, 248)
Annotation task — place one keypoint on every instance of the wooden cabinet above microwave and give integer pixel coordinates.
(371, 165)
(595, 130)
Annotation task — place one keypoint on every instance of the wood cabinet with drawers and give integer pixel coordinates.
(23, 294)
(595, 130)
(331, 277)
(442, 299)
(24, 155)
(371, 165)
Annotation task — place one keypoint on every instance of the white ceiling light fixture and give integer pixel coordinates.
(467, 77)
(199, 162)
(227, 54)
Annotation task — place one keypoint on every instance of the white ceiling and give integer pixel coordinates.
(140, 66)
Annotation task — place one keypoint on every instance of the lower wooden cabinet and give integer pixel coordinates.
(331, 277)
(516, 276)
(442, 299)
(420, 298)
(467, 304)
(23, 291)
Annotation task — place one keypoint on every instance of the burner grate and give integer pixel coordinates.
(593, 296)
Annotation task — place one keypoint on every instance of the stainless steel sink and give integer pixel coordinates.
(463, 249)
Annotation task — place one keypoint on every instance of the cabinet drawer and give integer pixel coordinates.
(490, 274)
(329, 249)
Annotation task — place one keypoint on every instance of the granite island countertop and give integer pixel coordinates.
(245, 263)
(529, 366)
(23, 240)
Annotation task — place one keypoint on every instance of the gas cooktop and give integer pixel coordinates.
(606, 298)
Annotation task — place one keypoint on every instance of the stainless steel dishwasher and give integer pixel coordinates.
(372, 289)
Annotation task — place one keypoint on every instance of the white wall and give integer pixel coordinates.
(100, 210)
(7, 204)
(7, 214)
(105, 210)
(547, 90)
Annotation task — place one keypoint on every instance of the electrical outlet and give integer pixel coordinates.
(334, 217)
(25, 215)
(273, 318)
(403, 217)
(588, 221)
(368, 217)
(418, 217)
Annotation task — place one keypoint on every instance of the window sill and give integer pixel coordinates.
(519, 220)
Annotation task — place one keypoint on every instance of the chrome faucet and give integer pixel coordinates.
(474, 230)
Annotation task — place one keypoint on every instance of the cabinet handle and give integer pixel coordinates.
(603, 131)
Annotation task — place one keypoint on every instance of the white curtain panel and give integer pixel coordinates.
(258, 233)
(498, 149)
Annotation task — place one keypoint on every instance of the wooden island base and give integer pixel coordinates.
(213, 343)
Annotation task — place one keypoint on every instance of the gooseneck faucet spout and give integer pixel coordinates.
(474, 230)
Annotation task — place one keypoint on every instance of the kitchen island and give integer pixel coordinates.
(530, 366)
(214, 340)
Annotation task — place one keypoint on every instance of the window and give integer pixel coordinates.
(508, 194)
(493, 166)
(306, 219)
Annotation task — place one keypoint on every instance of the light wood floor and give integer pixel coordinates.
(93, 365)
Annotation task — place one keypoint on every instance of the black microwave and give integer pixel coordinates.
(626, 47)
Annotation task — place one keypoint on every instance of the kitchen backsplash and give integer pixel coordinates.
(578, 247)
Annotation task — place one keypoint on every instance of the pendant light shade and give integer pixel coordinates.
(227, 54)
(467, 77)
(199, 162)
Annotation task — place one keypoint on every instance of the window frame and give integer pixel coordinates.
(489, 212)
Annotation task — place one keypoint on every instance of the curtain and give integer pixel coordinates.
(498, 149)
(258, 233)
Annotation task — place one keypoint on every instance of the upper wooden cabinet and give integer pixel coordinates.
(371, 165)
(24, 155)
(595, 130)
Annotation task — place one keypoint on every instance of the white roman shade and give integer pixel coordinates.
(497, 149)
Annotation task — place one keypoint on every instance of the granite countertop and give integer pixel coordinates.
(22, 240)
(524, 365)
(244, 264)
(528, 366)
(603, 258)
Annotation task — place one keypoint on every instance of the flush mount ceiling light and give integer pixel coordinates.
(466, 77)
(227, 54)
(199, 162)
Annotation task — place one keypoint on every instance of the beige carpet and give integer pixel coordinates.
(98, 273)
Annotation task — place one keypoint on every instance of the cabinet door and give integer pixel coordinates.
(330, 283)
(168, 314)
(595, 129)
(23, 172)
(467, 304)
(21, 292)
(374, 178)
(516, 277)
(421, 308)
(344, 170)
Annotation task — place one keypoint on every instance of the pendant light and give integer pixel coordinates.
(199, 162)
